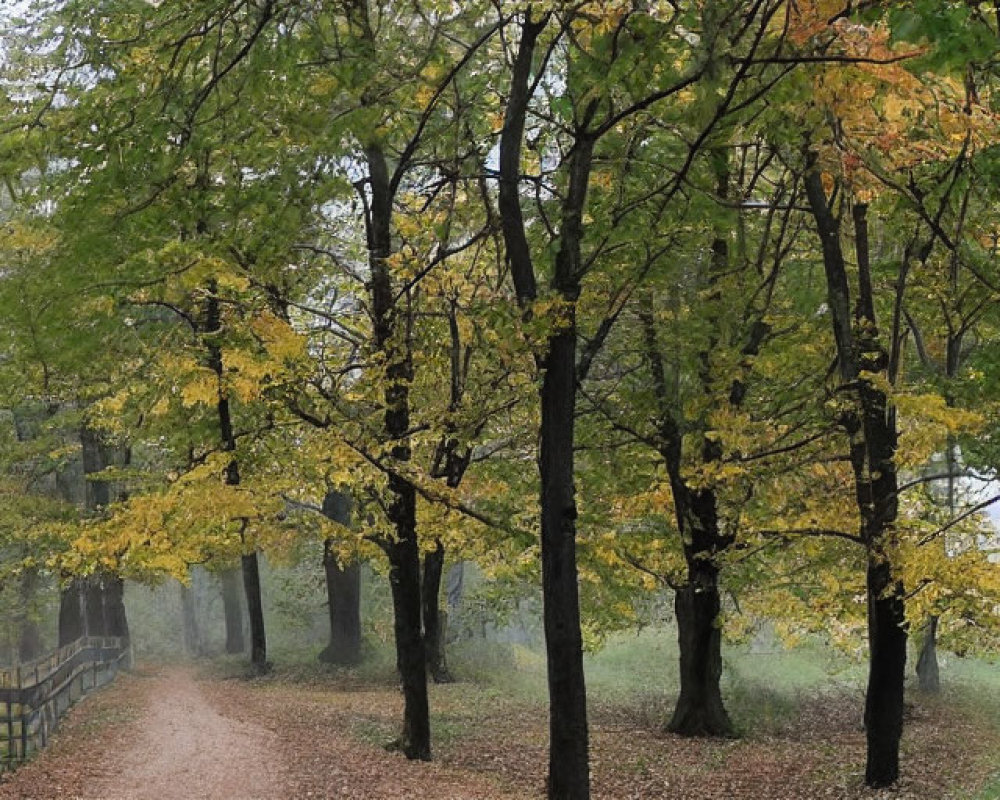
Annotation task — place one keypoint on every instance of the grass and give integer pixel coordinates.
(635, 674)
(975, 684)
(763, 687)
(493, 718)
(991, 791)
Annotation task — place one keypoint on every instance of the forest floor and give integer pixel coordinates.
(184, 732)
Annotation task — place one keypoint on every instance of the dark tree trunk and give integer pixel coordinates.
(97, 493)
(884, 698)
(192, 636)
(248, 561)
(928, 675)
(568, 743)
(93, 604)
(433, 616)
(105, 600)
(72, 623)
(343, 591)
(233, 610)
(115, 619)
(700, 710)
(872, 430)
(29, 644)
(404, 578)
(569, 769)
(255, 611)
(402, 551)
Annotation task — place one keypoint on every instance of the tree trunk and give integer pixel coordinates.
(97, 494)
(404, 578)
(928, 675)
(700, 710)
(403, 551)
(569, 768)
(343, 591)
(569, 773)
(255, 610)
(248, 561)
(433, 616)
(115, 619)
(871, 426)
(29, 644)
(72, 624)
(884, 699)
(232, 610)
(93, 604)
(105, 598)
(192, 636)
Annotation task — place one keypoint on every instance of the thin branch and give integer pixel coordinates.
(964, 515)
(851, 537)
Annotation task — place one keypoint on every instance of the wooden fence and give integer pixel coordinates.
(35, 695)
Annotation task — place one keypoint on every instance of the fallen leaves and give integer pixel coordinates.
(490, 746)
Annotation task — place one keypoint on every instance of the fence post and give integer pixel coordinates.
(11, 751)
(46, 672)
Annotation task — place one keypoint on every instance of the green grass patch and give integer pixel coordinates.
(975, 685)
(991, 791)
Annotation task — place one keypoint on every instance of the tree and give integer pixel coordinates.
(343, 590)
(598, 42)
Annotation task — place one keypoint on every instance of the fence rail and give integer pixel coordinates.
(35, 695)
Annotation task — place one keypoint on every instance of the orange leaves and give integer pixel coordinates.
(883, 116)
(807, 19)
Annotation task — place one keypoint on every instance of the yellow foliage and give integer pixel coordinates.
(925, 421)
(28, 239)
(203, 389)
(280, 340)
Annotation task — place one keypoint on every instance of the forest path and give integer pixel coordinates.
(185, 748)
(178, 732)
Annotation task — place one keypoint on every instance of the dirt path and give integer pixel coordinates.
(186, 749)
(172, 734)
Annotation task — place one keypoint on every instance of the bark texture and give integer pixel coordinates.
(93, 605)
(699, 710)
(115, 619)
(72, 622)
